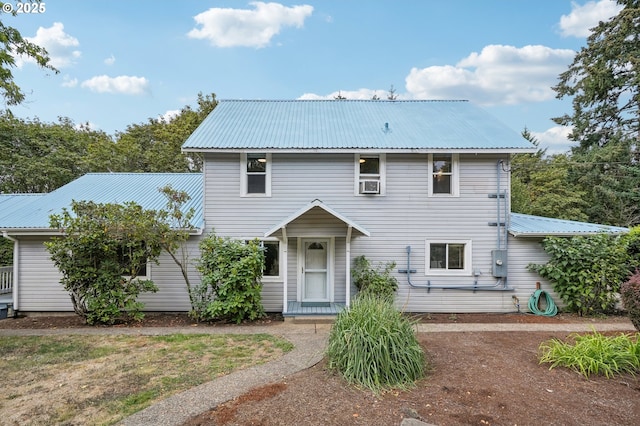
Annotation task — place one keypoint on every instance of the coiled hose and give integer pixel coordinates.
(534, 304)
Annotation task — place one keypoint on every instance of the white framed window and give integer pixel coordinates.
(448, 257)
(141, 269)
(444, 175)
(272, 254)
(255, 175)
(370, 172)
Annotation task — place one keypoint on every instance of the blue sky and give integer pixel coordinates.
(122, 62)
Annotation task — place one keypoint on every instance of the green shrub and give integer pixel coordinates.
(231, 273)
(586, 271)
(594, 354)
(378, 281)
(630, 295)
(372, 345)
(104, 249)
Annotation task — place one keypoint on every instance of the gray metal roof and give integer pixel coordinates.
(338, 125)
(524, 225)
(21, 212)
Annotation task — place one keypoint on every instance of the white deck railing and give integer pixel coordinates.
(6, 279)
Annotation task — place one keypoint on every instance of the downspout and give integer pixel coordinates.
(285, 267)
(347, 299)
(500, 285)
(14, 290)
(498, 195)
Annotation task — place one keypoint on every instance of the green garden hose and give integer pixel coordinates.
(534, 304)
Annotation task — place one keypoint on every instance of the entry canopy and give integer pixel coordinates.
(319, 204)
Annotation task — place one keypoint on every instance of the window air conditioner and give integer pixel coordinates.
(369, 186)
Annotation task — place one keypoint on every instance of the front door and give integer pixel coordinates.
(315, 270)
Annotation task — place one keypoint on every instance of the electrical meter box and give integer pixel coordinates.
(499, 259)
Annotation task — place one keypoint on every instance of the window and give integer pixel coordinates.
(130, 266)
(443, 172)
(370, 174)
(255, 174)
(271, 258)
(448, 257)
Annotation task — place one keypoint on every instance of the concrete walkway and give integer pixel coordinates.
(310, 342)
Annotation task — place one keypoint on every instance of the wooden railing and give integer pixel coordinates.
(6, 279)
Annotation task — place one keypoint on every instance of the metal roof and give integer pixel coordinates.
(19, 212)
(338, 125)
(524, 225)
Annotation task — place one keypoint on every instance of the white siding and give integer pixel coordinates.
(522, 252)
(405, 216)
(39, 288)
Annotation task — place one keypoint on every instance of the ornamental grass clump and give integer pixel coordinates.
(372, 345)
(594, 354)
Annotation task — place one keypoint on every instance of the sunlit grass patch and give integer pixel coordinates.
(594, 353)
(102, 379)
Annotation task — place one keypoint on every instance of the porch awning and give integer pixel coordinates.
(312, 205)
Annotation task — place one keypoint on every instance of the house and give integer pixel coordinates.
(424, 184)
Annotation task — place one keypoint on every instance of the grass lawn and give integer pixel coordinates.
(102, 379)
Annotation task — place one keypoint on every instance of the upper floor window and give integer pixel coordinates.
(255, 178)
(448, 257)
(443, 172)
(370, 174)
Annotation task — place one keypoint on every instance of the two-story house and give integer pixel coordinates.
(424, 184)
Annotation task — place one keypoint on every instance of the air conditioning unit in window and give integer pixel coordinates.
(369, 186)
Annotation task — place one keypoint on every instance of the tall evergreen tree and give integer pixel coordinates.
(604, 84)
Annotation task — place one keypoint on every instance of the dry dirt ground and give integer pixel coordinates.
(480, 378)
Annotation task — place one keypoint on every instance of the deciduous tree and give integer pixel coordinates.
(13, 44)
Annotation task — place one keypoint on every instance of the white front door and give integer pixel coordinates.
(315, 270)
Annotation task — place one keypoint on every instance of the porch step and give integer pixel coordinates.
(310, 319)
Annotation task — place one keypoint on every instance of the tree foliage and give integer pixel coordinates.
(174, 241)
(231, 272)
(101, 254)
(12, 44)
(540, 185)
(604, 84)
(586, 271)
(38, 157)
(155, 146)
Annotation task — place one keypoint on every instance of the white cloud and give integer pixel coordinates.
(69, 82)
(169, 115)
(584, 17)
(226, 27)
(60, 45)
(123, 84)
(497, 75)
(554, 139)
(110, 60)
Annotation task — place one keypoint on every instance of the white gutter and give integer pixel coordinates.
(14, 290)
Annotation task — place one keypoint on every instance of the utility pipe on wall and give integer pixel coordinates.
(500, 285)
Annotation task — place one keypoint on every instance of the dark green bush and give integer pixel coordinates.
(373, 345)
(630, 295)
(586, 271)
(377, 281)
(231, 273)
